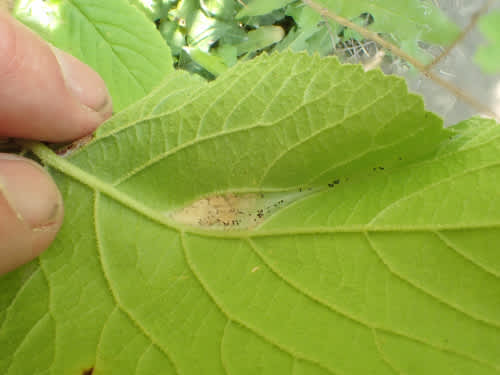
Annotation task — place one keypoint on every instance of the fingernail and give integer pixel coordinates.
(30, 191)
(84, 83)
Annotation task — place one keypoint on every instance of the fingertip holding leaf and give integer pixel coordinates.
(84, 84)
(31, 211)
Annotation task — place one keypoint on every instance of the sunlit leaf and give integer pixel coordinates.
(111, 36)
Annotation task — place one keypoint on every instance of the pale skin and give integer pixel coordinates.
(46, 95)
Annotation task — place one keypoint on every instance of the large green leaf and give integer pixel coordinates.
(337, 228)
(111, 36)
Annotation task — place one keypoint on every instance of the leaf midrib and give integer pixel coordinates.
(64, 166)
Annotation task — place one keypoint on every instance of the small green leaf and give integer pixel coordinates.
(212, 63)
(261, 7)
(295, 215)
(186, 13)
(111, 36)
(228, 53)
(220, 9)
(488, 57)
(313, 35)
(151, 8)
(206, 31)
(173, 36)
(260, 38)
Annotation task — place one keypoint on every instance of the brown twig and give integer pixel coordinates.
(400, 53)
(472, 23)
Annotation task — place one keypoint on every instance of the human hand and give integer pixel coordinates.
(46, 95)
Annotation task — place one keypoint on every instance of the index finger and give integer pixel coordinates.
(45, 93)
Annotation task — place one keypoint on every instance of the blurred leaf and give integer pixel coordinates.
(220, 9)
(212, 63)
(260, 38)
(314, 33)
(322, 42)
(206, 32)
(260, 7)
(229, 53)
(151, 8)
(201, 31)
(185, 13)
(410, 20)
(488, 57)
(173, 36)
(414, 50)
(306, 18)
(185, 62)
(267, 19)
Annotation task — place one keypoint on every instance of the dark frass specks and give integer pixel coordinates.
(233, 211)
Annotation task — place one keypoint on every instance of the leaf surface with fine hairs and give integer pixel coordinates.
(294, 216)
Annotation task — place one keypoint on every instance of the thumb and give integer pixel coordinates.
(31, 211)
(45, 93)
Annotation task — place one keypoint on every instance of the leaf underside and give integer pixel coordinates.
(333, 227)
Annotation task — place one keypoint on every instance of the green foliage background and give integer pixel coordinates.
(489, 56)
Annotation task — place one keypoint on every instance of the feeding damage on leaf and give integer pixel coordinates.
(70, 148)
(230, 210)
(234, 210)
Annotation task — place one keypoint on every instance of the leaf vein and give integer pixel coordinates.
(427, 292)
(114, 295)
(19, 292)
(338, 311)
(239, 321)
(482, 267)
(382, 354)
(430, 186)
(320, 131)
(234, 81)
(111, 46)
